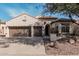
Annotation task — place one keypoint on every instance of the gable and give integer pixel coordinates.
(22, 20)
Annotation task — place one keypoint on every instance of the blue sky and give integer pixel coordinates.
(10, 10)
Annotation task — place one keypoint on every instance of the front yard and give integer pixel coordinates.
(36, 46)
(63, 48)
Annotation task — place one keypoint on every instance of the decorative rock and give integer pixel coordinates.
(3, 43)
(5, 46)
(71, 41)
(77, 39)
(52, 44)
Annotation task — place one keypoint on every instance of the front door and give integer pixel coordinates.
(47, 30)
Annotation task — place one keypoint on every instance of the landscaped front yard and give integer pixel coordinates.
(63, 48)
(36, 46)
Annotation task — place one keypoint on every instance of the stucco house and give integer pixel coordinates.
(24, 26)
(2, 29)
(27, 26)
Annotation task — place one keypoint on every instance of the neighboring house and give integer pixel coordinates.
(2, 29)
(28, 26)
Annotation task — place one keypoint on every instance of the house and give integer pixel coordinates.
(24, 26)
(2, 29)
(28, 26)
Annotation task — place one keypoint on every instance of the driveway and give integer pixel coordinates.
(24, 49)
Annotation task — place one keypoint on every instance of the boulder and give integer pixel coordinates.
(52, 44)
(71, 41)
(77, 39)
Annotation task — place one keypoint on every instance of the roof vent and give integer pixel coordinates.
(24, 20)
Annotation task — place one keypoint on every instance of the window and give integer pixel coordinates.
(3, 30)
(44, 22)
(24, 20)
(65, 28)
(6, 27)
(2, 27)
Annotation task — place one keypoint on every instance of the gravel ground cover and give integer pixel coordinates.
(63, 49)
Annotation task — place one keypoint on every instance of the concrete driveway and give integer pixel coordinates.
(20, 49)
(24, 49)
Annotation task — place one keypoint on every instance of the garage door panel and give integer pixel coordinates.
(20, 31)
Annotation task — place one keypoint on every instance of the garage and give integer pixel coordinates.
(20, 31)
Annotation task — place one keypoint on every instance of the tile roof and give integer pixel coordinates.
(46, 17)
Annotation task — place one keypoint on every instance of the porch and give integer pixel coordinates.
(61, 30)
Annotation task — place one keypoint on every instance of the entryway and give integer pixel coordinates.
(47, 27)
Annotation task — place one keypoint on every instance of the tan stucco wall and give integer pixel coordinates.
(23, 20)
(26, 20)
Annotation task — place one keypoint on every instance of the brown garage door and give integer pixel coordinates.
(20, 31)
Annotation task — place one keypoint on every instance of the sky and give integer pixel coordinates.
(11, 10)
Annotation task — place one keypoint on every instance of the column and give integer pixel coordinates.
(71, 29)
(43, 31)
(7, 32)
(59, 28)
